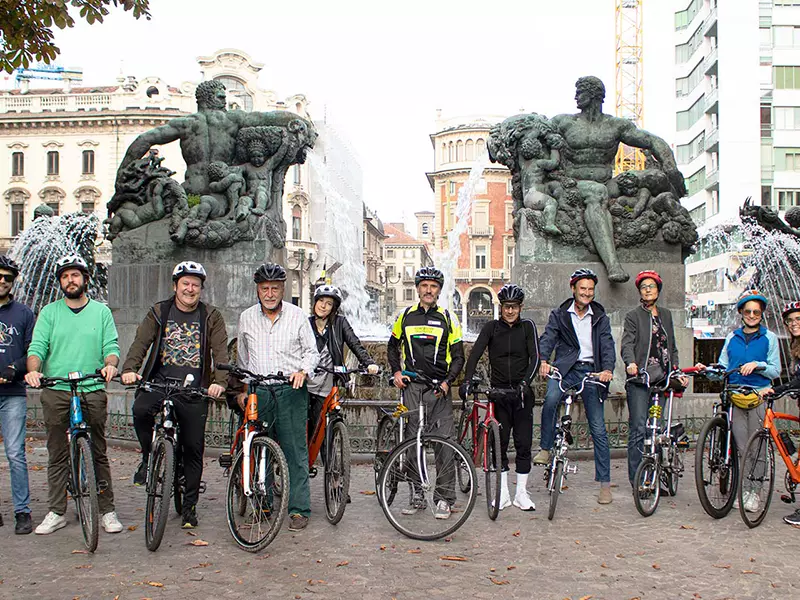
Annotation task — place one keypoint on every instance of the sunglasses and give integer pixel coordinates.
(8, 278)
(754, 312)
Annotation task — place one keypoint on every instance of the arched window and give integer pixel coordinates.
(480, 147)
(297, 223)
(470, 146)
(236, 93)
(460, 151)
(444, 153)
(425, 229)
(450, 156)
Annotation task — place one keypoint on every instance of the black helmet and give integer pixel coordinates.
(72, 261)
(328, 291)
(269, 272)
(9, 265)
(511, 293)
(429, 274)
(582, 274)
(188, 267)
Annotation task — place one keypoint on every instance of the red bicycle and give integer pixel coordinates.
(479, 434)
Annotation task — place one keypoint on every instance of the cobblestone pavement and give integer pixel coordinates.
(588, 551)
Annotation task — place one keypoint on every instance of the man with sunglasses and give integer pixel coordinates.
(16, 330)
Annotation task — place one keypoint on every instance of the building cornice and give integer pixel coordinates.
(61, 120)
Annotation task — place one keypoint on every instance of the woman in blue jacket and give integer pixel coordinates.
(747, 348)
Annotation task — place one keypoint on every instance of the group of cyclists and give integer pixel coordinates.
(183, 338)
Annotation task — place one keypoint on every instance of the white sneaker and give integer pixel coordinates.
(751, 502)
(505, 498)
(442, 510)
(522, 499)
(52, 522)
(111, 523)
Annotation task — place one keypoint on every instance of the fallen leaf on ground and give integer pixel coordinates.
(620, 555)
(516, 533)
(344, 563)
(191, 533)
(587, 597)
(722, 566)
(84, 567)
(200, 566)
(80, 552)
(122, 478)
(197, 542)
(368, 492)
(604, 565)
(155, 583)
(656, 567)
(510, 568)
(688, 527)
(133, 527)
(750, 573)
(752, 559)
(498, 581)
(577, 541)
(455, 558)
(415, 551)
(40, 468)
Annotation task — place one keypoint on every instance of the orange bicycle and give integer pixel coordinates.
(331, 430)
(757, 479)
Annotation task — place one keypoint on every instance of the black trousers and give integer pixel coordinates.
(515, 415)
(191, 416)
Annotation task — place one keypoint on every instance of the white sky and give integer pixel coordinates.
(382, 70)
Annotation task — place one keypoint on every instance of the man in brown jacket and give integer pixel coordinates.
(185, 337)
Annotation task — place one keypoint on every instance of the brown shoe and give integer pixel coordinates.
(297, 522)
(604, 497)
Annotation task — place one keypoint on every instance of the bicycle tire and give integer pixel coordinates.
(555, 489)
(760, 449)
(493, 469)
(466, 437)
(162, 476)
(240, 499)
(177, 491)
(387, 439)
(709, 472)
(462, 507)
(671, 474)
(85, 491)
(337, 473)
(647, 486)
(248, 530)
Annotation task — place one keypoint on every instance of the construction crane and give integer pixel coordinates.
(629, 78)
(45, 71)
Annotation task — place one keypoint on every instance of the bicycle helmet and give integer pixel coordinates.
(649, 275)
(9, 265)
(582, 274)
(789, 308)
(511, 293)
(71, 261)
(749, 295)
(188, 267)
(429, 274)
(328, 291)
(269, 272)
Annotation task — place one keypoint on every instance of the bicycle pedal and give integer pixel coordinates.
(201, 488)
(788, 498)
(312, 472)
(682, 444)
(571, 469)
(225, 461)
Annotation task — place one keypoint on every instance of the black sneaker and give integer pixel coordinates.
(140, 477)
(189, 517)
(793, 519)
(24, 524)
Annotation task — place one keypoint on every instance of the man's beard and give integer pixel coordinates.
(74, 295)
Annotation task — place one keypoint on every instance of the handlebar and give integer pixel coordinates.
(242, 374)
(171, 387)
(73, 379)
(342, 371)
(588, 378)
(720, 371)
(643, 377)
(433, 384)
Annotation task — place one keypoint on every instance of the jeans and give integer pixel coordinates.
(13, 412)
(593, 407)
(744, 424)
(638, 398)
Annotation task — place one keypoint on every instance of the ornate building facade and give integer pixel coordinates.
(404, 255)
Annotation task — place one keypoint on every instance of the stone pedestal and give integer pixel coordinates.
(543, 267)
(141, 275)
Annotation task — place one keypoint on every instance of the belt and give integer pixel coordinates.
(588, 363)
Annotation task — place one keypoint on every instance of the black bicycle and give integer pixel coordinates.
(82, 484)
(164, 471)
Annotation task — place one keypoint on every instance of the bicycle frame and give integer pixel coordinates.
(792, 468)
(477, 428)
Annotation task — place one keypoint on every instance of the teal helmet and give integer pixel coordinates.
(752, 294)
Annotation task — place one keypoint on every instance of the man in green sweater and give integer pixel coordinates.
(74, 334)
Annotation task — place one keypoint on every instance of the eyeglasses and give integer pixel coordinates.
(793, 321)
(648, 286)
(8, 278)
(754, 312)
(510, 306)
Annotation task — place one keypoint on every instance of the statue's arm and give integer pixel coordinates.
(160, 135)
(551, 163)
(254, 119)
(639, 138)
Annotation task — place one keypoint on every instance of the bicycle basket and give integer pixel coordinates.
(746, 401)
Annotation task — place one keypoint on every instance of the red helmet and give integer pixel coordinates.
(789, 309)
(649, 275)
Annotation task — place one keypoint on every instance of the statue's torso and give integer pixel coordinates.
(590, 146)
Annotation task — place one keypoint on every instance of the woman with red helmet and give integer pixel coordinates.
(648, 343)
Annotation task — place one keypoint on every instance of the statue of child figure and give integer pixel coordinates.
(536, 161)
(265, 147)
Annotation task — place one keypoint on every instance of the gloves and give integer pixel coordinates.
(464, 390)
(373, 369)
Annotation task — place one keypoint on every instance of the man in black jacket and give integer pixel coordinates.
(579, 332)
(513, 357)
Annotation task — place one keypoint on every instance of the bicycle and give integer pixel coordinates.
(716, 460)
(661, 466)
(481, 438)
(257, 474)
(758, 464)
(82, 483)
(556, 470)
(164, 473)
(331, 430)
(427, 481)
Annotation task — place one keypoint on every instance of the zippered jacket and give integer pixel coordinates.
(513, 352)
(637, 335)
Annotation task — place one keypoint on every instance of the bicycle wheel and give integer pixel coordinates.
(84, 486)
(425, 476)
(265, 509)
(647, 486)
(337, 473)
(465, 438)
(555, 488)
(716, 482)
(162, 476)
(387, 439)
(493, 469)
(757, 478)
(177, 487)
(671, 474)
(240, 500)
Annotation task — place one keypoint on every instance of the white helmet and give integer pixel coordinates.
(188, 267)
(71, 261)
(328, 291)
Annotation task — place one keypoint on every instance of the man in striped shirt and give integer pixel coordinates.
(275, 336)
